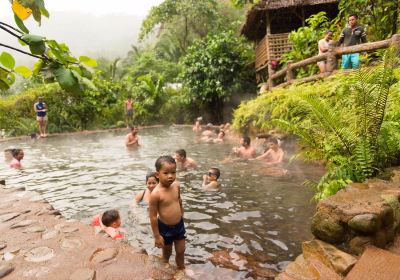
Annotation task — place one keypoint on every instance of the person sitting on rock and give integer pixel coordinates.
(18, 155)
(109, 222)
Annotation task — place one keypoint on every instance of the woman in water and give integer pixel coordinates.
(18, 155)
(143, 197)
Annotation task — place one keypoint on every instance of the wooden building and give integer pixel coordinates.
(269, 23)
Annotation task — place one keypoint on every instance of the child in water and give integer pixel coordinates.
(109, 222)
(143, 197)
(18, 155)
(210, 180)
(166, 212)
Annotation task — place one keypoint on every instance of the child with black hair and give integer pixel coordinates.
(18, 155)
(143, 197)
(210, 179)
(166, 212)
(109, 222)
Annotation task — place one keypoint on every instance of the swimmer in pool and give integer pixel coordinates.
(210, 179)
(143, 197)
(274, 155)
(109, 222)
(184, 162)
(18, 155)
(220, 137)
(132, 139)
(245, 151)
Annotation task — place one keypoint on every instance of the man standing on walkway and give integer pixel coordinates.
(352, 35)
(129, 111)
(41, 115)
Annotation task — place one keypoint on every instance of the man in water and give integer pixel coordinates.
(352, 35)
(184, 162)
(41, 115)
(274, 155)
(132, 140)
(245, 151)
(128, 108)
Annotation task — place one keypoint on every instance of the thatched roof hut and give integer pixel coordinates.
(269, 23)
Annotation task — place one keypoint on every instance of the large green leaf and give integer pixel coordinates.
(88, 61)
(32, 39)
(4, 85)
(37, 66)
(24, 71)
(66, 79)
(37, 48)
(20, 24)
(7, 60)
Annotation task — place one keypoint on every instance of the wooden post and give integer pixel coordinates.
(331, 62)
(270, 73)
(289, 72)
(396, 44)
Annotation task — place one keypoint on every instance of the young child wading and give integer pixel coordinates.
(166, 212)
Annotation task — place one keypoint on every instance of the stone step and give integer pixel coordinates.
(395, 248)
(375, 264)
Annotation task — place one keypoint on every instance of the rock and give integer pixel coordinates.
(36, 198)
(9, 216)
(5, 269)
(23, 223)
(329, 255)
(376, 264)
(39, 254)
(83, 274)
(102, 255)
(8, 256)
(3, 182)
(49, 234)
(327, 229)
(364, 223)
(35, 229)
(357, 244)
(3, 245)
(299, 269)
(393, 202)
(69, 243)
(69, 229)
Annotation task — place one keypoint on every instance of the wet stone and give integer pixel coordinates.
(83, 274)
(69, 229)
(35, 229)
(8, 256)
(24, 223)
(3, 245)
(49, 234)
(69, 243)
(8, 217)
(36, 198)
(102, 255)
(39, 254)
(5, 269)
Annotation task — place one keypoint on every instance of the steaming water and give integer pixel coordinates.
(254, 214)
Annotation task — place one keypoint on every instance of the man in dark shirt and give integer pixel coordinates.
(351, 36)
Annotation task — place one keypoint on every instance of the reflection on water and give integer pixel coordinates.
(253, 214)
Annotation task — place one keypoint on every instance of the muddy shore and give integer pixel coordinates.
(36, 242)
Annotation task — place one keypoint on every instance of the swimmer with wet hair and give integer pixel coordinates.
(18, 155)
(143, 197)
(183, 161)
(245, 151)
(210, 179)
(220, 137)
(132, 139)
(166, 212)
(109, 222)
(274, 155)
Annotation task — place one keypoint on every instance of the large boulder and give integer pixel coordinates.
(327, 228)
(364, 223)
(329, 255)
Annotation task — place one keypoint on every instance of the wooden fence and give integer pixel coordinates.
(331, 58)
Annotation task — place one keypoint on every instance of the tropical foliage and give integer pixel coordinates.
(213, 69)
(350, 122)
(55, 61)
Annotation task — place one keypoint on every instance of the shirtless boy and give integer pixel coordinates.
(132, 139)
(274, 155)
(183, 161)
(166, 212)
(210, 180)
(245, 151)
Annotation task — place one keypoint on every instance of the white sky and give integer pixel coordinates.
(95, 7)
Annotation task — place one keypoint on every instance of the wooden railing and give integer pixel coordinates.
(331, 57)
